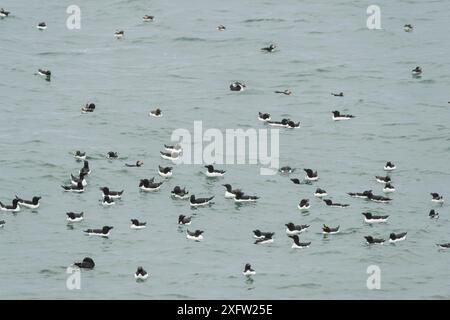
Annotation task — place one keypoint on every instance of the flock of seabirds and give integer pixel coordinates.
(173, 152)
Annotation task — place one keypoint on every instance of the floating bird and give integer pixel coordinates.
(282, 123)
(270, 48)
(379, 199)
(149, 185)
(15, 207)
(388, 188)
(85, 170)
(286, 170)
(363, 195)
(292, 229)
(384, 180)
(417, 71)
(408, 27)
(4, 13)
(241, 197)
(165, 172)
(230, 193)
(173, 148)
(286, 92)
(372, 240)
(140, 274)
(258, 234)
(89, 107)
(370, 218)
(136, 224)
(330, 203)
(297, 244)
(42, 26)
(433, 214)
(437, 198)
(79, 188)
(80, 155)
(248, 271)
(389, 166)
(112, 155)
(221, 28)
(182, 219)
(147, 18)
(319, 193)
(138, 163)
(81, 179)
(291, 124)
(33, 204)
(107, 201)
(337, 116)
(304, 205)
(311, 175)
(444, 245)
(266, 239)
(330, 230)
(237, 86)
(104, 232)
(179, 193)
(197, 235)
(264, 116)
(396, 237)
(213, 173)
(157, 113)
(169, 155)
(87, 263)
(119, 34)
(340, 94)
(75, 217)
(111, 194)
(46, 73)
(196, 202)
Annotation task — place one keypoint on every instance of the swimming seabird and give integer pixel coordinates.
(221, 28)
(297, 244)
(42, 26)
(213, 173)
(382, 179)
(140, 274)
(417, 71)
(379, 199)
(258, 234)
(292, 229)
(15, 207)
(89, 107)
(389, 166)
(195, 202)
(282, 123)
(230, 193)
(319, 193)
(267, 238)
(237, 86)
(138, 163)
(4, 13)
(136, 224)
(437, 198)
(165, 172)
(264, 116)
(169, 155)
(396, 237)
(147, 18)
(433, 214)
(408, 27)
(291, 124)
(74, 216)
(119, 34)
(338, 116)
(33, 204)
(370, 218)
(149, 185)
(330, 203)
(87, 263)
(85, 170)
(80, 178)
(182, 219)
(364, 195)
(444, 245)
(330, 230)
(104, 232)
(112, 155)
(111, 194)
(286, 92)
(173, 148)
(388, 188)
(372, 240)
(197, 235)
(340, 94)
(248, 271)
(241, 197)
(286, 170)
(78, 188)
(80, 155)
(179, 193)
(107, 201)
(311, 175)
(46, 73)
(157, 113)
(304, 205)
(270, 48)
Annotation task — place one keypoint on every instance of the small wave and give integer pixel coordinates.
(263, 20)
(189, 39)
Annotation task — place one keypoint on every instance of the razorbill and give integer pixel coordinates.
(388, 188)
(221, 28)
(140, 274)
(370, 218)
(15, 207)
(107, 201)
(182, 219)
(147, 18)
(33, 204)
(241, 197)
(111, 194)
(138, 163)
(408, 27)
(297, 244)
(292, 229)
(264, 116)
(266, 239)
(311, 175)
(437, 198)
(258, 234)
(195, 202)
(149, 185)
(213, 173)
(396, 237)
(112, 155)
(286, 170)
(42, 26)
(379, 199)
(282, 123)
(45, 73)
(291, 124)
(173, 148)
(179, 193)
(337, 116)
(372, 240)
(319, 193)
(80, 178)
(104, 232)
(340, 94)
(382, 179)
(433, 214)
(136, 224)
(304, 205)
(270, 48)
(165, 172)
(444, 245)
(75, 217)
(78, 188)
(286, 92)
(363, 195)
(4, 13)
(80, 155)
(87, 263)
(197, 235)
(230, 193)
(248, 271)
(119, 34)
(169, 155)
(157, 113)
(417, 71)
(389, 166)
(85, 170)
(330, 230)
(89, 107)
(330, 203)
(237, 86)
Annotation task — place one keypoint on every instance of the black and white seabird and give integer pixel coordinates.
(173, 148)
(85, 170)
(297, 244)
(248, 271)
(304, 205)
(408, 27)
(80, 155)
(370, 218)
(15, 207)
(169, 155)
(150, 185)
(319, 193)
(389, 166)
(157, 113)
(80, 178)
(388, 188)
(197, 235)
(87, 263)
(379, 199)
(437, 198)
(138, 164)
(89, 107)
(241, 197)
(111, 194)
(196, 202)
(417, 71)
(136, 224)
(46, 73)
(74, 216)
(372, 240)
(147, 18)
(221, 27)
(382, 179)
(267, 238)
(2, 223)
(182, 219)
(237, 86)
(330, 230)
(78, 188)
(107, 201)
(433, 214)
(179, 193)
(140, 274)
(396, 237)
(444, 246)
(213, 173)
(286, 170)
(4, 13)
(330, 203)
(337, 116)
(104, 232)
(264, 116)
(33, 204)
(286, 92)
(270, 48)
(112, 155)
(282, 123)
(340, 94)
(230, 193)
(292, 229)
(258, 234)
(42, 26)
(119, 34)
(311, 175)
(363, 195)
(165, 172)
(291, 124)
